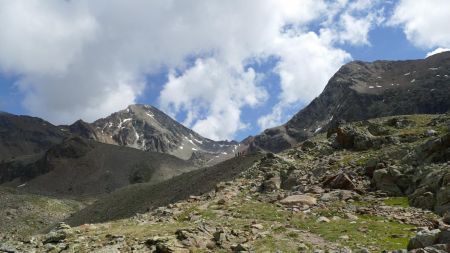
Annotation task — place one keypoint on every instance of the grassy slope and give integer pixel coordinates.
(24, 214)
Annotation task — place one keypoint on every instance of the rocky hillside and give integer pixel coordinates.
(362, 90)
(147, 128)
(370, 186)
(79, 167)
(22, 136)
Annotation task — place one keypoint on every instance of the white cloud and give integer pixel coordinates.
(89, 58)
(212, 93)
(307, 62)
(42, 37)
(437, 51)
(424, 22)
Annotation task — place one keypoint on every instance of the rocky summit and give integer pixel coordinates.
(364, 168)
(146, 128)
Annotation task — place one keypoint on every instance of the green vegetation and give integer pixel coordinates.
(397, 201)
(368, 231)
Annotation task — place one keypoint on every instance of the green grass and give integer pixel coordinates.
(260, 211)
(374, 232)
(397, 201)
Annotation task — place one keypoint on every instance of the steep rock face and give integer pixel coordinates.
(146, 128)
(24, 136)
(360, 91)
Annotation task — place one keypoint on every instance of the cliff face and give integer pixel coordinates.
(360, 91)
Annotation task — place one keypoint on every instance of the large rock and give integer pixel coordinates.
(443, 200)
(288, 181)
(386, 181)
(340, 181)
(352, 138)
(299, 200)
(271, 184)
(424, 239)
(58, 234)
(436, 150)
(433, 192)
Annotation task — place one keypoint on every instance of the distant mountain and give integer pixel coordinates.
(24, 136)
(146, 128)
(81, 167)
(362, 90)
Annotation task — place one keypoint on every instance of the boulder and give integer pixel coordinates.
(271, 184)
(299, 200)
(443, 200)
(58, 234)
(350, 137)
(165, 245)
(288, 181)
(424, 239)
(340, 181)
(386, 181)
(422, 198)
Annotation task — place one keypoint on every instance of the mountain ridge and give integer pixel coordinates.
(362, 90)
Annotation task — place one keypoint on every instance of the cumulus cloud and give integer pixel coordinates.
(213, 94)
(89, 58)
(424, 22)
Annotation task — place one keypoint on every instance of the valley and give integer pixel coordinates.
(365, 167)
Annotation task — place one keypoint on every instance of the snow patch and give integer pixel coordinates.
(407, 74)
(318, 129)
(378, 86)
(194, 149)
(371, 87)
(434, 69)
(201, 142)
(412, 81)
(150, 115)
(22, 185)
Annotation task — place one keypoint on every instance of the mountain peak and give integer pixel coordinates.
(147, 128)
(364, 90)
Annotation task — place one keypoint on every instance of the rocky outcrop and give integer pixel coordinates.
(426, 240)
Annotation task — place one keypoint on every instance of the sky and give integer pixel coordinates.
(226, 69)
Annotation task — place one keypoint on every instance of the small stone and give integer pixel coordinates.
(351, 216)
(258, 226)
(221, 202)
(302, 247)
(323, 219)
(344, 237)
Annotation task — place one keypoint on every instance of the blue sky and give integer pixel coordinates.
(227, 72)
